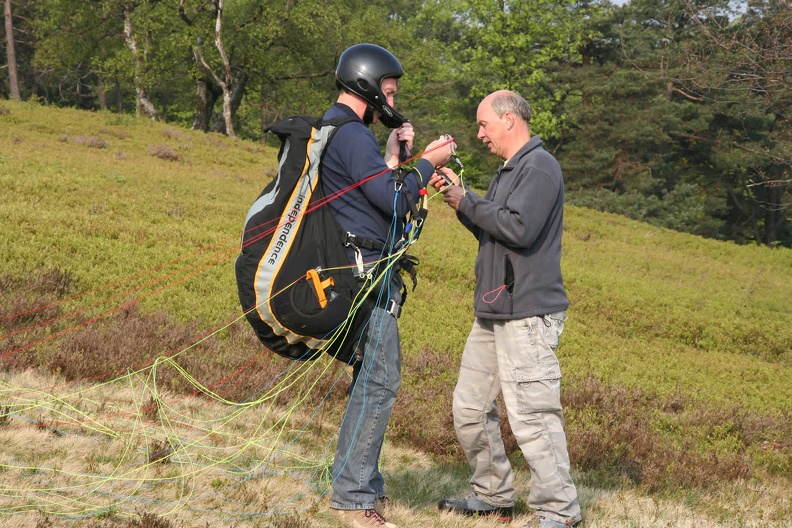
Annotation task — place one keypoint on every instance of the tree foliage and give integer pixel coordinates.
(743, 66)
(656, 133)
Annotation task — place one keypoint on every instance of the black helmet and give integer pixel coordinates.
(361, 70)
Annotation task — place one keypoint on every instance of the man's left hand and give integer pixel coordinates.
(452, 195)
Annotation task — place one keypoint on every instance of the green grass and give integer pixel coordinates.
(681, 312)
(677, 356)
(79, 208)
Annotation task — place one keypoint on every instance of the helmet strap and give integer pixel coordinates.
(368, 115)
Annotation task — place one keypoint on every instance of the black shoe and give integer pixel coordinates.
(469, 504)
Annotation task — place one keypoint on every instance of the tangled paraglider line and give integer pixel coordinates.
(125, 441)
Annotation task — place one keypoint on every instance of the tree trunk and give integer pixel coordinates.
(119, 96)
(227, 81)
(228, 113)
(13, 76)
(239, 83)
(144, 106)
(206, 94)
(101, 95)
(773, 211)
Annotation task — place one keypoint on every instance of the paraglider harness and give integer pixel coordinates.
(294, 281)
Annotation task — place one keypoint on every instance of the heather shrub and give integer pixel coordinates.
(88, 141)
(235, 366)
(32, 297)
(616, 434)
(163, 152)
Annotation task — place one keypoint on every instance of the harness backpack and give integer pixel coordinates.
(294, 281)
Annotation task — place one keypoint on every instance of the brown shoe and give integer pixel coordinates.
(364, 519)
(543, 522)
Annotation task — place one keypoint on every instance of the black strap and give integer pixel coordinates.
(408, 264)
(360, 242)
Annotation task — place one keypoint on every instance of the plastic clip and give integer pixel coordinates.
(319, 285)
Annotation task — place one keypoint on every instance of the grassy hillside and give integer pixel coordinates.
(119, 327)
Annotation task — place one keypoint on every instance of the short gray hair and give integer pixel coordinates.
(511, 102)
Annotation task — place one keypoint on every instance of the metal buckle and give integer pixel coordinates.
(394, 309)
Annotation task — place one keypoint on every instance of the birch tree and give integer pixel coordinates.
(224, 79)
(144, 105)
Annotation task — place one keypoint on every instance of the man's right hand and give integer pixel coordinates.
(439, 151)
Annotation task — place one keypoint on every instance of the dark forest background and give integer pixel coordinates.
(672, 112)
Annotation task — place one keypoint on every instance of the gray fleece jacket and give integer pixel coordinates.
(518, 224)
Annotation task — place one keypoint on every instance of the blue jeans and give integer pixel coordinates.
(356, 477)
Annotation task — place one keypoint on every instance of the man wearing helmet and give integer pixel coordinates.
(371, 211)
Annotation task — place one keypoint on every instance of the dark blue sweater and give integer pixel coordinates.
(365, 210)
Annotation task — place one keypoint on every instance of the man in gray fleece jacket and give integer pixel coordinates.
(520, 307)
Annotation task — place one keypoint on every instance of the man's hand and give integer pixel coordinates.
(452, 192)
(441, 178)
(452, 195)
(404, 133)
(439, 151)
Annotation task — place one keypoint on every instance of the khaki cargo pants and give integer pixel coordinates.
(516, 358)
